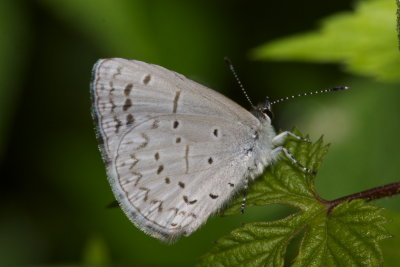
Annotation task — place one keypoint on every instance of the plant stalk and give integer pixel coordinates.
(369, 195)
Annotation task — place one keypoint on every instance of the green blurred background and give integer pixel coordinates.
(54, 190)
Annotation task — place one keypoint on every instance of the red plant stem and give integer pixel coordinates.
(369, 195)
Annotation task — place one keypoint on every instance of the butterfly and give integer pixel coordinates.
(175, 150)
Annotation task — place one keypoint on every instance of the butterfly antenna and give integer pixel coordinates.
(334, 89)
(230, 65)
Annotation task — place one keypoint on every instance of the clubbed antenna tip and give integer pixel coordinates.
(228, 61)
(340, 88)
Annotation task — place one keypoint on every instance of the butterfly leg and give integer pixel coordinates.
(280, 149)
(280, 138)
(246, 185)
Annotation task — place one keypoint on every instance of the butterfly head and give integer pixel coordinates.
(264, 111)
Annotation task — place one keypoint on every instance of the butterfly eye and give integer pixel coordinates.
(268, 113)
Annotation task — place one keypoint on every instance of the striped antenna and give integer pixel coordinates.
(230, 65)
(334, 89)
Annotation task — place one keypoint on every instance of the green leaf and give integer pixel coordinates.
(346, 235)
(255, 244)
(364, 40)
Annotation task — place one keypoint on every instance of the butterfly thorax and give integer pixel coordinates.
(263, 144)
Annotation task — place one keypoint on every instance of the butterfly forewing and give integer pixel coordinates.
(175, 150)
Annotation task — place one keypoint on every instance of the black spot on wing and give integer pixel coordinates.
(147, 79)
(128, 89)
(127, 104)
(129, 119)
(213, 196)
(160, 169)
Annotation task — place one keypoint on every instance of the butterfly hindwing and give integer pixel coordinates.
(174, 178)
